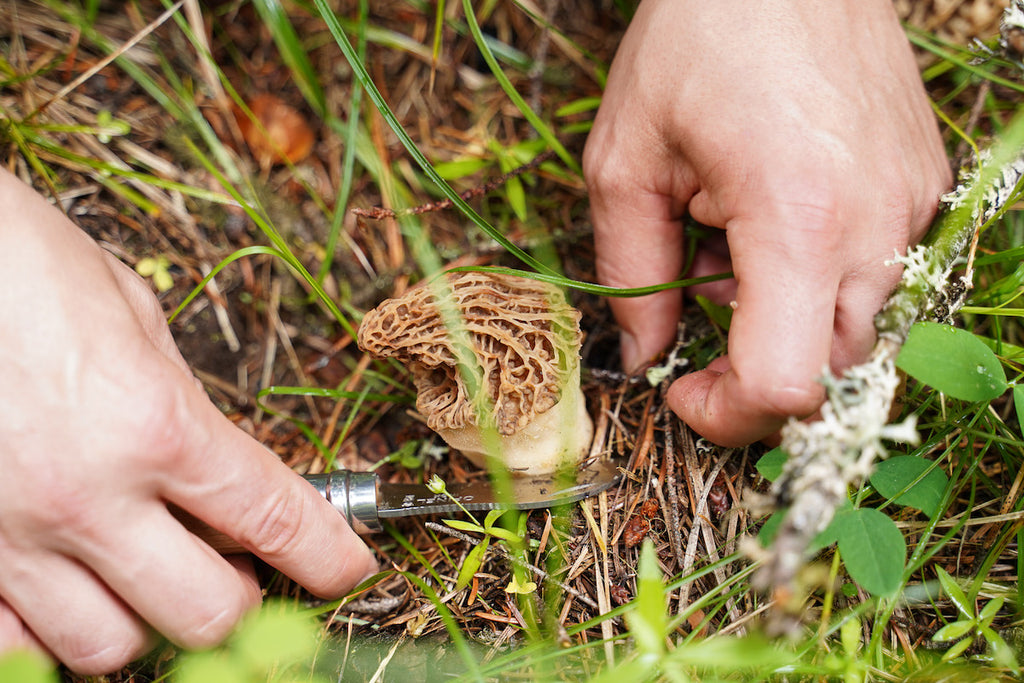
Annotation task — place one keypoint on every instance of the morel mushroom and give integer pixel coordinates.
(525, 340)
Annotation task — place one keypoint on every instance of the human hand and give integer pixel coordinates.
(801, 129)
(101, 426)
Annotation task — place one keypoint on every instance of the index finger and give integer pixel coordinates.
(237, 486)
(638, 240)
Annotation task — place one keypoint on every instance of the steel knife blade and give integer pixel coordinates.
(363, 499)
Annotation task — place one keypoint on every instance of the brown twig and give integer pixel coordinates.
(381, 212)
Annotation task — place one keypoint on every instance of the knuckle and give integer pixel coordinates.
(59, 506)
(212, 625)
(161, 422)
(274, 528)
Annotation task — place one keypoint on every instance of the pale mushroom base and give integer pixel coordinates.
(554, 439)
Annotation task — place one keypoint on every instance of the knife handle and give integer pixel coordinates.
(353, 494)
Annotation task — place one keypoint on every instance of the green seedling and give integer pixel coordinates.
(972, 625)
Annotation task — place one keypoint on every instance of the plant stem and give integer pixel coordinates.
(827, 456)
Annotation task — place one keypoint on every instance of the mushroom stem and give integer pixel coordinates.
(559, 436)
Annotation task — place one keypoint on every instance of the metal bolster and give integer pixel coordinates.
(354, 495)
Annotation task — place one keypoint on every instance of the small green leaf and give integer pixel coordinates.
(989, 611)
(647, 621)
(516, 196)
(824, 539)
(584, 104)
(726, 655)
(952, 361)
(770, 527)
(849, 633)
(505, 534)
(493, 517)
(896, 474)
(957, 650)
(275, 636)
(954, 593)
(470, 566)
(770, 464)
(157, 268)
(209, 666)
(26, 667)
(955, 630)
(719, 315)
(465, 526)
(873, 549)
(1002, 654)
(459, 168)
(520, 588)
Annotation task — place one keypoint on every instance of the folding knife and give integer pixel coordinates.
(365, 500)
(362, 498)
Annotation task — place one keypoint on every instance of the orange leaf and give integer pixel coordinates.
(279, 133)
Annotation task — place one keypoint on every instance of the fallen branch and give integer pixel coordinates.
(827, 456)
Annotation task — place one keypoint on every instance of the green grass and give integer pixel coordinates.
(973, 533)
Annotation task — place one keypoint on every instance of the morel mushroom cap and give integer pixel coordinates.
(525, 340)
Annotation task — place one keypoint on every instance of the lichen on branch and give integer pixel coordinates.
(828, 456)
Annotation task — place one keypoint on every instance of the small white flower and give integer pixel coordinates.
(436, 484)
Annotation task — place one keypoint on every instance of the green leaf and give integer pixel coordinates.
(954, 593)
(824, 539)
(989, 611)
(459, 168)
(516, 196)
(849, 633)
(505, 534)
(770, 464)
(207, 667)
(770, 527)
(474, 558)
(956, 650)
(955, 630)
(26, 667)
(720, 315)
(1018, 404)
(1002, 654)
(276, 636)
(584, 104)
(873, 549)
(465, 526)
(897, 473)
(729, 654)
(952, 361)
(647, 621)
(493, 517)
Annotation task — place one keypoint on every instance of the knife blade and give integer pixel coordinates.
(364, 500)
